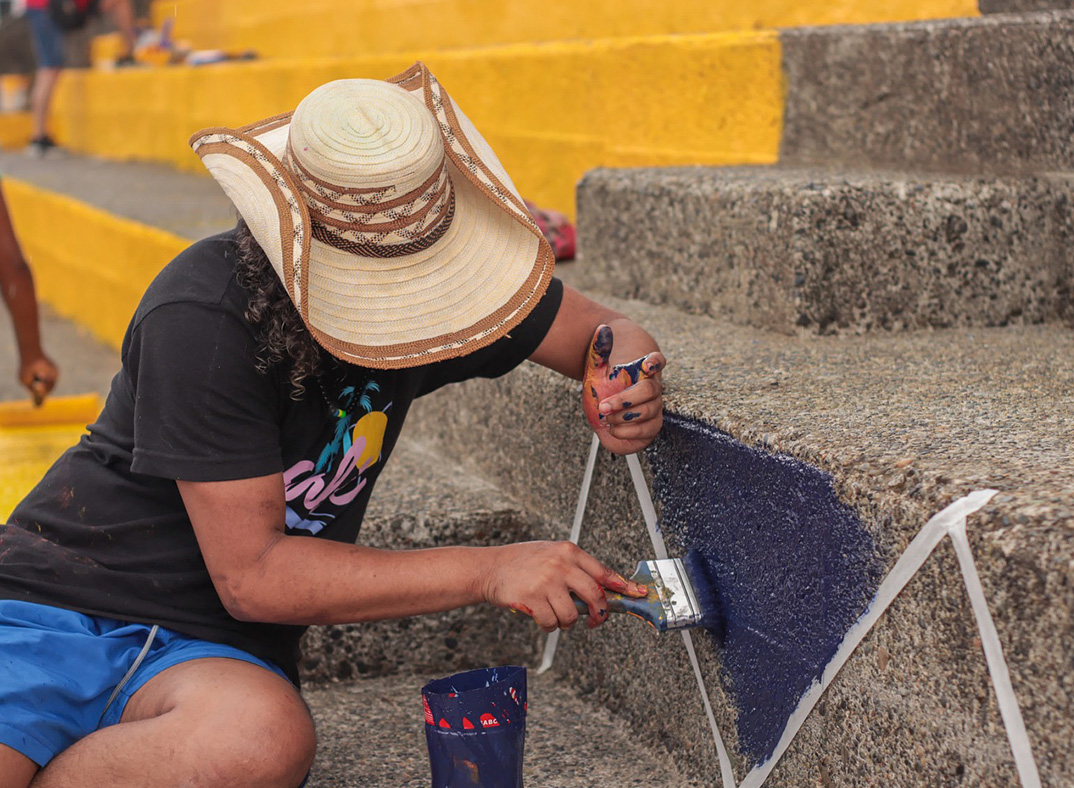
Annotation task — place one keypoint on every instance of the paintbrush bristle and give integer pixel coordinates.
(703, 581)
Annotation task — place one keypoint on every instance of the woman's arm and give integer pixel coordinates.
(36, 370)
(263, 574)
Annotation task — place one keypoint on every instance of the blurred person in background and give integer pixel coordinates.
(49, 21)
(36, 371)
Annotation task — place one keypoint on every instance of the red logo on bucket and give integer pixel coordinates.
(467, 725)
(488, 721)
(428, 711)
(444, 723)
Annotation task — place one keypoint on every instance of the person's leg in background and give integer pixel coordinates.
(122, 15)
(48, 49)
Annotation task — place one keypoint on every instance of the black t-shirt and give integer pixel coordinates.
(105, 531)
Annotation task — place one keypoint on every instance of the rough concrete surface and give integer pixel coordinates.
(968, 95)
(1023, 6)
(903, 424)
(190, 206)
(806, 250)
(376, 739)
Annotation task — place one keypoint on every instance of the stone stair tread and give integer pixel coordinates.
(967, 406)
(377, 739)
(186, 204)
(802, 249)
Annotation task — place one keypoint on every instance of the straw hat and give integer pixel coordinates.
(395, 229)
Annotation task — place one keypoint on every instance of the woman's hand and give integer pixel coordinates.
(623, 402)
(538, 579)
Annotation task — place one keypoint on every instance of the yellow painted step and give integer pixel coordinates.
(25, 454)
(348, 28)
(16, 128)
(551, 111)
(31, 439)
(89, 265)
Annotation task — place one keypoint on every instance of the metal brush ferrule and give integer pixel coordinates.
(675, 593)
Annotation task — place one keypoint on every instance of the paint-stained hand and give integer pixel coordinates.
(622, 402)
(539, 578)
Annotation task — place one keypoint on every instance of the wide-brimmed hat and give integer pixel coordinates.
(391, 223)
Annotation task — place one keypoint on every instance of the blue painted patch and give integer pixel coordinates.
(792, 567)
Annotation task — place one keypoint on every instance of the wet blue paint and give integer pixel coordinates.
(633, 369)
(792, 567)
(475, 727)
(630, 416)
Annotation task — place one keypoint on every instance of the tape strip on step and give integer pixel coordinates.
(552, 641)
(949, 522)
(641, 487)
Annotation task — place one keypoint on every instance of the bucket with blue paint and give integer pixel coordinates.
(475, 726)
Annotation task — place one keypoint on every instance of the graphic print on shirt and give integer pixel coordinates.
(316, 489)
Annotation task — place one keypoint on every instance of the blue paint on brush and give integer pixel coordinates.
(792, 566)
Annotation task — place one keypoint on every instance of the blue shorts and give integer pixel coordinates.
(47, 38)
(58, 670)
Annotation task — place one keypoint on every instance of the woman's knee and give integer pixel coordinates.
(273, 745)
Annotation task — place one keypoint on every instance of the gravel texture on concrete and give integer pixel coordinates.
(813, 251)
(902, 424)
(1023, 6)
(967, 95)
(372, 736)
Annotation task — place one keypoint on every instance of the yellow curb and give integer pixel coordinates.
(16, 128)
(89, 265)
(26, 453)
(327, 28)
(552, 111)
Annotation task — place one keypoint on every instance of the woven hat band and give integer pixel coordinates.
(376, 222)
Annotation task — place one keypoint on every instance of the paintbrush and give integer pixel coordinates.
(681, 594)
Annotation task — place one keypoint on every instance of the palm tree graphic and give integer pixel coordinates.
(351, 406)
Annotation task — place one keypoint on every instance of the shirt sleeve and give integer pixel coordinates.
(202, 411)
(504, 354)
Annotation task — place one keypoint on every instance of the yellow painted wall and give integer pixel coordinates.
(92, 266)
(551, 111)
(347, 28)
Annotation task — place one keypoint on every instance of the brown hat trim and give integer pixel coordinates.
(478, 335)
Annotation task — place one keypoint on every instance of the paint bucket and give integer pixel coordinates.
(475, 726)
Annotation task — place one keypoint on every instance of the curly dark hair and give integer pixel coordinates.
(282, 336)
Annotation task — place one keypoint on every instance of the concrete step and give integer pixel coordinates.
(813, 251)
(963, 95)
(972, 94)
(1024, 6)
(802, 468)
(375, 739)
(96, 232)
